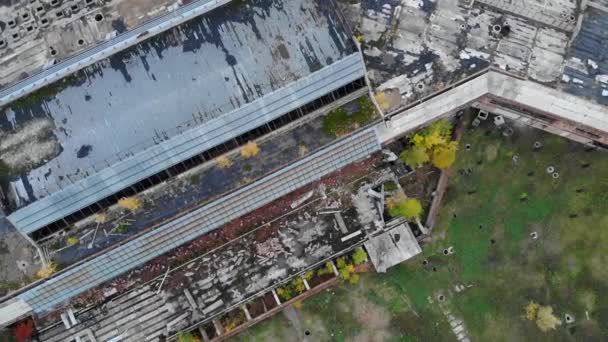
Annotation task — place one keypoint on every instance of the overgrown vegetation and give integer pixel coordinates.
(326, 269)
(339, 122)
(5, 170)
(16, 284)
(346, 265)
(432, 143)
(502, 265)
(46, 271)
(233, 319)
(250, 149)
(132, 203)
(101, 218)
(187, 337)
(292, 289)
(72, 240)
(359, 256)
(390, 186)
(543, 316)
(121, 226)
(44, 93)
(223, 162)
(409, 208)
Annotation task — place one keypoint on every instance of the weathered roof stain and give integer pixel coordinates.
(182, 78)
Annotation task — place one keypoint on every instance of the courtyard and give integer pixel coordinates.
(510, 238)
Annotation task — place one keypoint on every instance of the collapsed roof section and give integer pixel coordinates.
(121, 259)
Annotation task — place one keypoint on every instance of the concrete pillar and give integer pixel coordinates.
(246, 311)
(219, 329)
(276, 298)
(203, 333)
(335, 268)
(306, 283)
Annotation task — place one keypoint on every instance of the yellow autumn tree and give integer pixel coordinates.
(532, 311)
(250, 149)
(545, 319)
(433, 139)
(415, 156)
(431, 143)
(224, 162)
(72, 240)
(101, 218)
(443, 156)
(48, 270)
(131, 203)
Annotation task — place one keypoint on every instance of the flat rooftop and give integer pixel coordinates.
(35, 34)
(166, 85)
(416, 48)
(231, 275)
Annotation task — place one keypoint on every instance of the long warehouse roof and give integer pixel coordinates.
(75, 281)
(177, 149)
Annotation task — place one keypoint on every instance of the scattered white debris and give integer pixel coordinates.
(592, 63)
(469, 53)
(390, 156)
(565, 78)
(350, 236)
(602, 78)
(412, 3)
(302, 199)
(365, 207)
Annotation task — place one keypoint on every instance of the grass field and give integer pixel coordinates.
(494, 202)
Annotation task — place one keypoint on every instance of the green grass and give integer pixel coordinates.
(515, 269)
(339, 121)
(503, 202)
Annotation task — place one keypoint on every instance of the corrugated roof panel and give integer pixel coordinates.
(166, 237)
(175, 150)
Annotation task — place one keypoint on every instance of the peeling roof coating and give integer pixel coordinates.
(586, 71)
(186, 145)
(106, 48)
(72, 282)
(173, 82)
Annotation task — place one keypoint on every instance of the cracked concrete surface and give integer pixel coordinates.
(33, 34)
(29, 146)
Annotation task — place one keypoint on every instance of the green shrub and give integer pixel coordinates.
(410, 208)
(5, 170)
(415, 156)
(327, 269)
(365, 113)
(390, 186)
(336, 122)
(359, 256)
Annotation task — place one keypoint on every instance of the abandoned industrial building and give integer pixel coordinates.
(162, 110)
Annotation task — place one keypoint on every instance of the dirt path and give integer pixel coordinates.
(295, 319)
